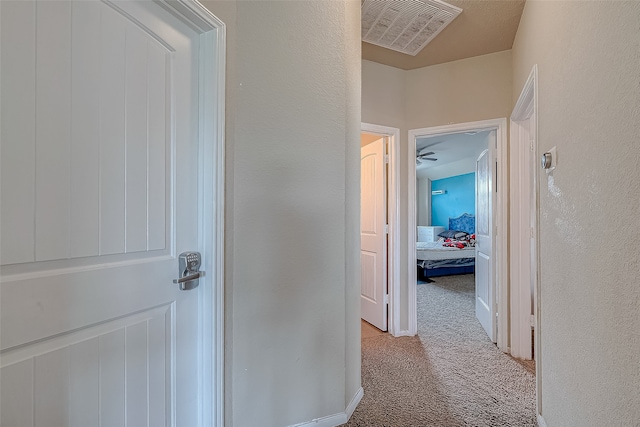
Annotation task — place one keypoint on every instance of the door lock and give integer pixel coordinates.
(189, 264)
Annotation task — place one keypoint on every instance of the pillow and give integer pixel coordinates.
(452, 234)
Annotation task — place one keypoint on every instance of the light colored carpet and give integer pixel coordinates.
(449, 375)
(367, 330)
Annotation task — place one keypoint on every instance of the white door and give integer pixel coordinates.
(99, 195)
(485, 274)
(373, 237)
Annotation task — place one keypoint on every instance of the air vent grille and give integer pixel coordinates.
(405, 26)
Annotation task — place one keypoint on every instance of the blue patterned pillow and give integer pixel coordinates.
(464, 222)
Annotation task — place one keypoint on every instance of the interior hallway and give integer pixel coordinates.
(449, 375)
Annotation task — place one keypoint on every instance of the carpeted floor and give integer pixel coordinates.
(449, 375)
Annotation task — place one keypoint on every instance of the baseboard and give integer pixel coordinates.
(335, 419)
(354, 403)
(541, 421)
(404, 333)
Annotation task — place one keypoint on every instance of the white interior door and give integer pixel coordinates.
(99, 157)
(485, 272)
(373, 237)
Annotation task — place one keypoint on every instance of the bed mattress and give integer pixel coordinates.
(428, 251)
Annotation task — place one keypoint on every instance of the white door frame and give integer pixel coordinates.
(525, 264)
(212, 63)
(393, 208)
(501, 261)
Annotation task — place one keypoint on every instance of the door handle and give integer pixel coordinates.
(188, 266)
(189, 278)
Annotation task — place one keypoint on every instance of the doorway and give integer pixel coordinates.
(524, 242)
(496, 296)
(391, 138)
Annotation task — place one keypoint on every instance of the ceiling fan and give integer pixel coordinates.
(424, 156)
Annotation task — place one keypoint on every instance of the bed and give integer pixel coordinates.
(435, 259)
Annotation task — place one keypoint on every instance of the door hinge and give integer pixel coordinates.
(386, 158)
(531, 144)
(386, 229)
(532, 321)
(386, 298)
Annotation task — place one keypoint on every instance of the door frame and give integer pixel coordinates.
(393, 217)
(525, 260)
(501, 220)
(211, 180)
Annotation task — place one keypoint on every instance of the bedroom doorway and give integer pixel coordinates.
(426, 145)
(524, 214)
(380, 281)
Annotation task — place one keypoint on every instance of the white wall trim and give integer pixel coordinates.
(501, 290)
(335, 419)
(412, 269)
(502, 239)
(520, 333)
(524, 152)
(541, 421)
(354, 403)
(393, 207)
(524, 148)
(212, 62)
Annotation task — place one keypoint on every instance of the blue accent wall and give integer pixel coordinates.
(460, 198)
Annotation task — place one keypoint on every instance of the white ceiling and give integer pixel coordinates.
(456, 153)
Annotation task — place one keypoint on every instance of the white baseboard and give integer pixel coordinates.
(541, 421)
(354, 403)
(404, 333)
(335, 419)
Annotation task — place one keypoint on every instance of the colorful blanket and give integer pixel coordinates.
(467, 241)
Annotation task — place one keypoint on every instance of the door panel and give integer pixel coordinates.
(485, 283)
(17, 84)
(92, 327)
(373, 251)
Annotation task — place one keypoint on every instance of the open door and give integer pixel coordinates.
(485, 250)
(100, 160)
(373, 236)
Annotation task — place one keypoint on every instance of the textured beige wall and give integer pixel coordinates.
(383, 104)
(588, 56)
(353, 104)
(292, 215)
(462, 91)
(383, 101)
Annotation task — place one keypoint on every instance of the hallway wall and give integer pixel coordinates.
(588, 56)
(383, 104)
(292, 210)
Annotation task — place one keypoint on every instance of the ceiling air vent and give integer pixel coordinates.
(405, 25)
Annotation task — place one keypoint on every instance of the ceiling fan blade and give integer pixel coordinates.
(429, 158)
(425, 154)
(418, 162)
